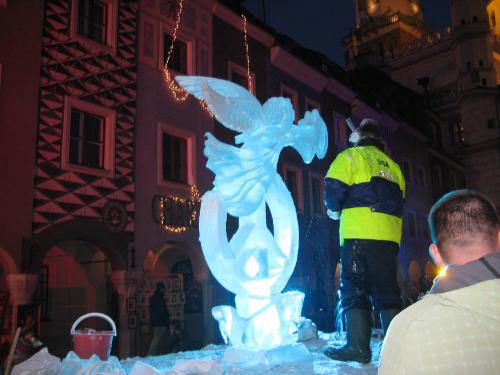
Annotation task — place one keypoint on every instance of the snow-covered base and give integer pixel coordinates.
(210, 360)
(305, 358)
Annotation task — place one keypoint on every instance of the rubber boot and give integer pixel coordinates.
(386, 317)
(358, 334)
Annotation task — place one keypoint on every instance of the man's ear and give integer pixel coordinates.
(436, 255)
(498, 241)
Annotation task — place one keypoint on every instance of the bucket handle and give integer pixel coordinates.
(93, 315)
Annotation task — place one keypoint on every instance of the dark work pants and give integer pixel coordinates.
(369, 271)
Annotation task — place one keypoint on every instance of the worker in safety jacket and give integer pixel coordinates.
(365, 189)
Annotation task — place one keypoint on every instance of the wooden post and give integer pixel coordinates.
(10, 358)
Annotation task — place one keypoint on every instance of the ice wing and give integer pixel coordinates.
(231, 104)
(242, 176)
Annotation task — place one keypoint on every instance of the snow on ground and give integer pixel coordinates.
(210, 361)
(320, 364)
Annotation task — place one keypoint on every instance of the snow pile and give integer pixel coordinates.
(303, 358)
(41, 363)
(72, 365)
(185, 363)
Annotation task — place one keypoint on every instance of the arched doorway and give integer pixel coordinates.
(75, 279)
(181, 269)
(184, 295)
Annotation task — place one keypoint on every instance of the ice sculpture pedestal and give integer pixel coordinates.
(260, 323)
(266, 359)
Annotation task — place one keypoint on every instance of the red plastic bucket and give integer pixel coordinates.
(87, 342)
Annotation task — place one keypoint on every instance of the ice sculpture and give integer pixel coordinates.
(255, 264)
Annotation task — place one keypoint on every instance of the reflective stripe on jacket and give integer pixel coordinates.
(369, 188)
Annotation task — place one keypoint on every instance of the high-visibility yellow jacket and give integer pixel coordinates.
(369, 188)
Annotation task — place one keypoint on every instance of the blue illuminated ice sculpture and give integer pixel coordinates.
(255, 264)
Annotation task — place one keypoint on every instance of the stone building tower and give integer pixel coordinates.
(456, 69)
(381, 27)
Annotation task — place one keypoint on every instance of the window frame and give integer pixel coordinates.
(339, 135)
(299, 203)
(149, 60)
(294, 98)
(457, 133)
(453, 180)
(415, 224)
(422, 185)
(408, 179)
(425, 234)
(166, 28)
(321, 194)
(111, 26)
(232, 67)
(439, 174)
(190, 157)
(109, 116)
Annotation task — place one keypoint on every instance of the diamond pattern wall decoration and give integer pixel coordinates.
(77, 68)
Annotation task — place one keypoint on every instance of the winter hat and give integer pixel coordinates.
(369, 128)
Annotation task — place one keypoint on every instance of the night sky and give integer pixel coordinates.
(320, 24)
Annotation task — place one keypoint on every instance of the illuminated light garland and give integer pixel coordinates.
(178, 93)
(195, 198)
(249, 77)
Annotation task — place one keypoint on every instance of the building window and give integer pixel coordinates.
(411, 224)
(457, 133)
(95, 20)
(86, 141)
(43, 287)
(293, 180)
(287, 92)
(438, 176)
(339, 129)
(453, 180)
(92, 20)
(425, 229)
(88, 137)
(176, 159)
(406, 164)
(179, 57)
(239, 75)
(316, 186)
(421, 177)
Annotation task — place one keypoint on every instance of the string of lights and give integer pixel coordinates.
(178, 93)
(181, 95)
(249, 76)
(192, 202)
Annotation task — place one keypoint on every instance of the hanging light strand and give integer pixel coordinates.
(178, 93)
(249, 76)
